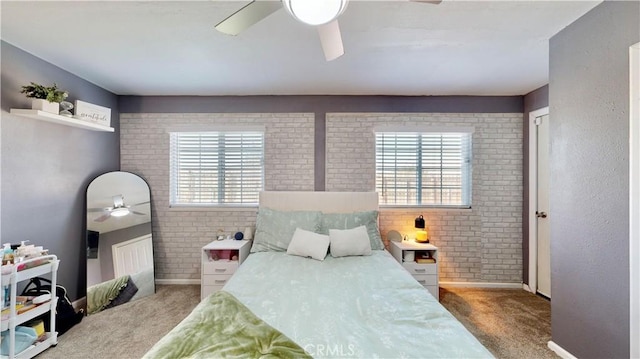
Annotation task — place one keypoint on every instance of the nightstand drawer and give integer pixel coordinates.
(426, 279)
(219, 267)
(419, 268)
(213, 279)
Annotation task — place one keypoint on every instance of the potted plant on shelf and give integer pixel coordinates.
(45, 98)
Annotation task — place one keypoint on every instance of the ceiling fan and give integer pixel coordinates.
(323, 14)
(119, 209)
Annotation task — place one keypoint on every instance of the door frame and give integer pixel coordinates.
(634, 199)
(533, 193)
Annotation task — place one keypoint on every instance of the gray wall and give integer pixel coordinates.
(534, 100)
(319, 104)
(589, 102)
(46, 167)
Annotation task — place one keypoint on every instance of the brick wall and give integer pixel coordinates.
(179, 233)
(482, 244)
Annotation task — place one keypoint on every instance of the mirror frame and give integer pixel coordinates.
(105, 195)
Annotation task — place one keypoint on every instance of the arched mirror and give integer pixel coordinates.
(119, 241)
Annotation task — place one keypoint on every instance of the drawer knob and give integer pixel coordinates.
(220, 270)
(220, 281)
(422, 281)
(418, 270)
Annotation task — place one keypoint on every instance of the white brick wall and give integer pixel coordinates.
(479, 244)
(179, 233)
(482, 244)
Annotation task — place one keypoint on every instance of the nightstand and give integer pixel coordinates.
(220, 259)
(408, 253)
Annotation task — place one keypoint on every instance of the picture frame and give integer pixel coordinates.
(93, 113)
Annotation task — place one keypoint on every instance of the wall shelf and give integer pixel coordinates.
(62, 120)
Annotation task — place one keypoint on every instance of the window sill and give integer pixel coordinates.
(426, 208)
(187, 208)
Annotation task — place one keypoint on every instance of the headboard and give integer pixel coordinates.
(328, 202)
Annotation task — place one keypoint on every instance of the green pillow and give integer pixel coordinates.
(368, 219)
(274, 229)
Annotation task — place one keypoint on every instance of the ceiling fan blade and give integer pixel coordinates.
(137, 204)
(138, 213)
(103, 218)
(97, 209)
(331, 40)
(435, 2)
(247, 16)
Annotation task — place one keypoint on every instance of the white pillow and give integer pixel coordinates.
(308, 244)
(350, 242)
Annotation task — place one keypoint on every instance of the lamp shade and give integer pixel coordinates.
(421, 233)
(315, 12)
(421, 236)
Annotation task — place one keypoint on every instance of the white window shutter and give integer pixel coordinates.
(216, 168)
(423, 168)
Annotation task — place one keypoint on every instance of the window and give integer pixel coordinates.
(424, 168)
(216, 168)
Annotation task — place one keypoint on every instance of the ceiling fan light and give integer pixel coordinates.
(315, 12)
(120, 212)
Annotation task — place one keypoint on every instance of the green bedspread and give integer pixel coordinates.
(100, 295)
(222, 327)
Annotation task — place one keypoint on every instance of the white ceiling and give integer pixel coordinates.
(391, 47)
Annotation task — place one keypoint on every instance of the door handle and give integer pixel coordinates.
(541, 214)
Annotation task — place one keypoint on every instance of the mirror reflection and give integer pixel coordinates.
(119, 241)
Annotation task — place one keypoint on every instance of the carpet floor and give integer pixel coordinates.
(128, 330)
(511, 323)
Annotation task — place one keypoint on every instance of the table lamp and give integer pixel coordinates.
(421, 233)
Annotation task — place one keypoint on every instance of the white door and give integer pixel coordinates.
(542, 208)
(132, 256)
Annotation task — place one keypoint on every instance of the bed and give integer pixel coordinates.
(280, 304)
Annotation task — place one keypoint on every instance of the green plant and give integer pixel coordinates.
(51, 93)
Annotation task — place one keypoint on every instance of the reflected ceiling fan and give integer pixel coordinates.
(323, 14)
(119, 209)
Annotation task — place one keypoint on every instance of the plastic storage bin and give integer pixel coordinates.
(25, 336)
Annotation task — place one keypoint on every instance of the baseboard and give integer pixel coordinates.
(178, 281)
(480, 285)
(526, 287)
(80, 303)
(560, 351)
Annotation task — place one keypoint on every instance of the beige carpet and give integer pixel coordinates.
(510, 323)
(128, 330)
